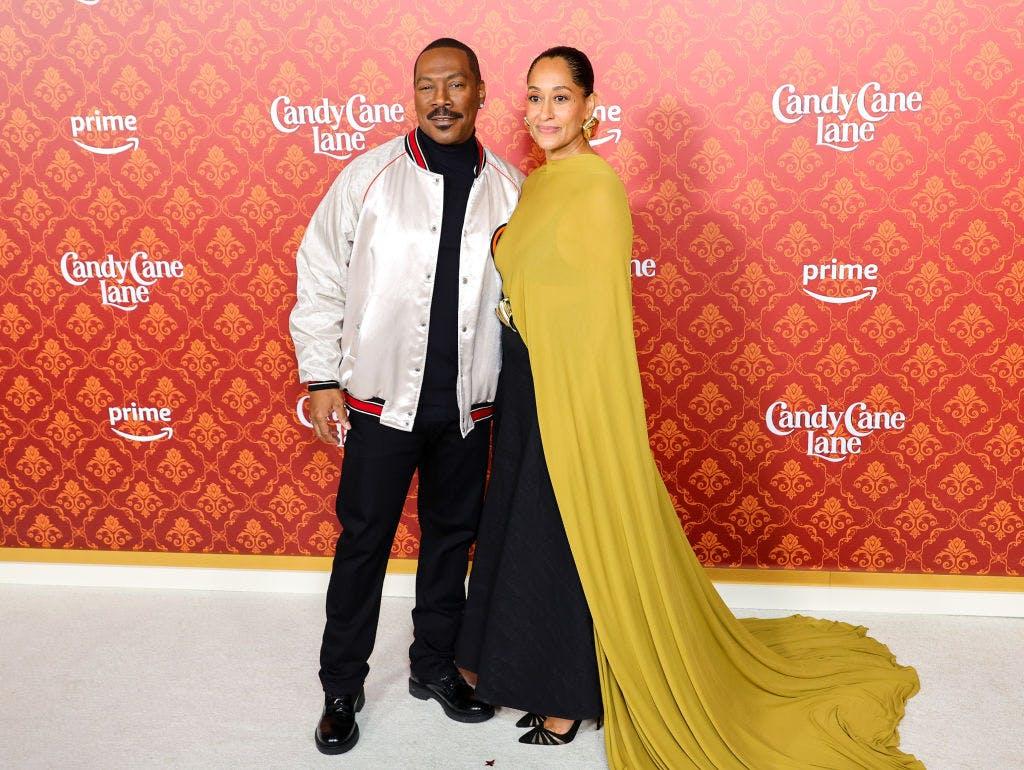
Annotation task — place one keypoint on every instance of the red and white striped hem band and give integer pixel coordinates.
(376, 408)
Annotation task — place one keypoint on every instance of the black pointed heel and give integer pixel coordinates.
(530, 720)
(541, 736)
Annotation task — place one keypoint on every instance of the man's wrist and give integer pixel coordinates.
(323, 385)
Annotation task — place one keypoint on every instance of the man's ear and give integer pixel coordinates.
(482, 92)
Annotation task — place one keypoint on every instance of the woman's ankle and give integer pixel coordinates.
(558, 725)
(469, 676)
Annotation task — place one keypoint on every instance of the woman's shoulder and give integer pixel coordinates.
(592, 171)
(586, 178)
(592, 164)
(601, 182)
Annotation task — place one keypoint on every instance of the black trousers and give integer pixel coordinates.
(375, 476)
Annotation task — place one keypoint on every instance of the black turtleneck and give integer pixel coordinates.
(457, 164)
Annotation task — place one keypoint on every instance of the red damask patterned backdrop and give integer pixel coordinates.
(829, 262)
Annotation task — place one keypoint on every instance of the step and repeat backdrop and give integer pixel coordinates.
(828, 265)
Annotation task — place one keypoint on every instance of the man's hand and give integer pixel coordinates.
(325, 406)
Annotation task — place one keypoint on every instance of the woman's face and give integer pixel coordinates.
(556, 109)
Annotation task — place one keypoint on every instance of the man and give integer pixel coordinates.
(395, 332)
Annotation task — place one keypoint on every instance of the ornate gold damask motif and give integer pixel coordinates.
(732, 204)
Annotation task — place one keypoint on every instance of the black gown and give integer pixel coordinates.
(527, 630)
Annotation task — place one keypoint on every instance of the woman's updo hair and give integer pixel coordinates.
(579, 66)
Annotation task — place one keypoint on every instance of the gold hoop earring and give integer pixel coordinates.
(588, 127)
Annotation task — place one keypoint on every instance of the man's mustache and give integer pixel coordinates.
(444, 112)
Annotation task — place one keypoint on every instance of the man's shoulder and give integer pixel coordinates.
(505, 169)
(353, 181)
(365, 167)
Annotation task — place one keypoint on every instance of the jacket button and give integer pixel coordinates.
(465, 280)
(433, 228)
(463, 328)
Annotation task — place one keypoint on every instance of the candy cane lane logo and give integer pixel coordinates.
(832, 435)
(113, 276)
(605, 115)
(339, 128)
(836, 271)
(98, 123)
(844, 120)
(146, 414)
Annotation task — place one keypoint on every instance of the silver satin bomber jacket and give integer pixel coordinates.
(365, 280)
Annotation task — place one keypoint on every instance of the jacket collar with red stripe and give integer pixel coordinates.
(419, 157)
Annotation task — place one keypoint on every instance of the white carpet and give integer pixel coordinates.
(104, 678)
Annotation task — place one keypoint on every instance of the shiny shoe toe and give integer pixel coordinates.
(337, 731)
(454, 695)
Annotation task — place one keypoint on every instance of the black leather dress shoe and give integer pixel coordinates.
(338, 731)
(454, 695)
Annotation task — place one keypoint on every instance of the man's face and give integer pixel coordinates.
(447, 95)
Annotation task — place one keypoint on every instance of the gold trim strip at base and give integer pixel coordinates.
(193, 560)
(408, 566)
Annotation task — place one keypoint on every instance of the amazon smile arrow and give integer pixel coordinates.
(870, 291)
(131, 144)
(166, 432)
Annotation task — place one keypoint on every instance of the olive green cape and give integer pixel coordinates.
(685, 683)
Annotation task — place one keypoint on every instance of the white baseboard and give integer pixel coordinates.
(171, 578)
(922, 601)
(754, 596)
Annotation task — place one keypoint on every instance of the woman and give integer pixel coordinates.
(683, 683)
